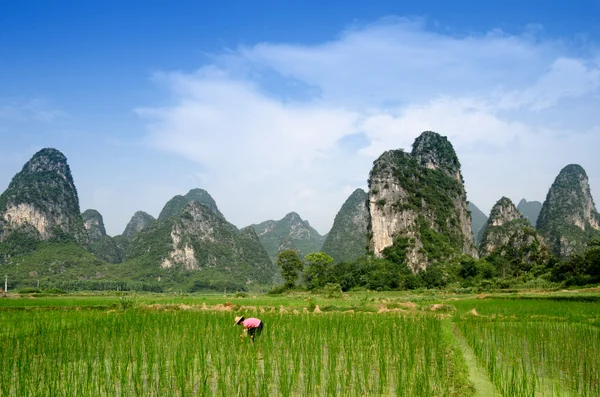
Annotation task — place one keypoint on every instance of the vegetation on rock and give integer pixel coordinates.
(199, 241)
(174, 206)
(291, 232)
(510, 243)
(568, 219)
(139, 221)
(420, 196)
(42, 200)
(102, 245)
(347, 239)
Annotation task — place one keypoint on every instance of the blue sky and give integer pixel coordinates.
(283, 106)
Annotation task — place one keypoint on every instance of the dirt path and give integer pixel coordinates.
(483, 386)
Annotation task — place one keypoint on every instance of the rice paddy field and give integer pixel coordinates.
(364, 344)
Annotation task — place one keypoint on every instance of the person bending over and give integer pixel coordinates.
(252, 326)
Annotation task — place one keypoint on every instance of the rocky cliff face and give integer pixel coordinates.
(530, 209)
(568, 218)
(291, 232)
(102, 245)
(94, 224)
(509, 233)
(174, 206)
(139, 221)
(347, 239)
(418, 201)
(42, 199)
(478, 221)
(197, 239)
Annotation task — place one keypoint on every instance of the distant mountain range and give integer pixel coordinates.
(478, 221)
(415, 213)
(290, 232)
(530, 209)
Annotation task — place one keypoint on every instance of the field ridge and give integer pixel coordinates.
(482, 383)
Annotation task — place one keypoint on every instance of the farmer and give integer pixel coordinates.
(252, 326)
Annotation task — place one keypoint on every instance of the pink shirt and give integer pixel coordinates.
(251, 323)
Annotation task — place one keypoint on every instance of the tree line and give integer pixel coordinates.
(390, 272)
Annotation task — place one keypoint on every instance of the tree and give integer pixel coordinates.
(290, 265)
(318, 269)
(592, 258)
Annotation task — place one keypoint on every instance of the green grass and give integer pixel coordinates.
(296, 300)
(533, 309)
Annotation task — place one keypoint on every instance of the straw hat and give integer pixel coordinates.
(237, 320)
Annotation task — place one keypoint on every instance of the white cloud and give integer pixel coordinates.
(270, 123)
(32, 109)
(566, 78)
(466, 122)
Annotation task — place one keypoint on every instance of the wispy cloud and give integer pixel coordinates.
(33, 109)
(281, 127)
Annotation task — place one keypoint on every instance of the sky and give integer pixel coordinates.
(276, 106)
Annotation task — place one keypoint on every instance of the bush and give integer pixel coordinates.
(240, 295)
(278, 290)
(216, 285)
(126, 302)
(30, 291)
(332, 290)
(410, 281)
(311, 305)
(54, 291)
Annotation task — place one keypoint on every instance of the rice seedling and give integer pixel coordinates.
(551, 357)
(98, 346)
(155, 353)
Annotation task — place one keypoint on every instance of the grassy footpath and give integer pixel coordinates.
(477, 376)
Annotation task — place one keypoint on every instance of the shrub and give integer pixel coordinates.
(29, 290)
(278, 290)
(311, 305)
(54, 291)
(332, 290)
(126, 302)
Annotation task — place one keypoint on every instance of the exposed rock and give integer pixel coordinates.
(139, 221)
(178, 203)
(530, 209)
(42, 199)
(418, 205)
(291, 232)
(478, 221)
(103, 246)
(197, 240)
(435, 152)
(347, 239)
(568, 218)
(508, 233)
(94, 224)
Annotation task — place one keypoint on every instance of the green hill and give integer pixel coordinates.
(291, 232)
(174, 206)
(568, 219)
(347, 239)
